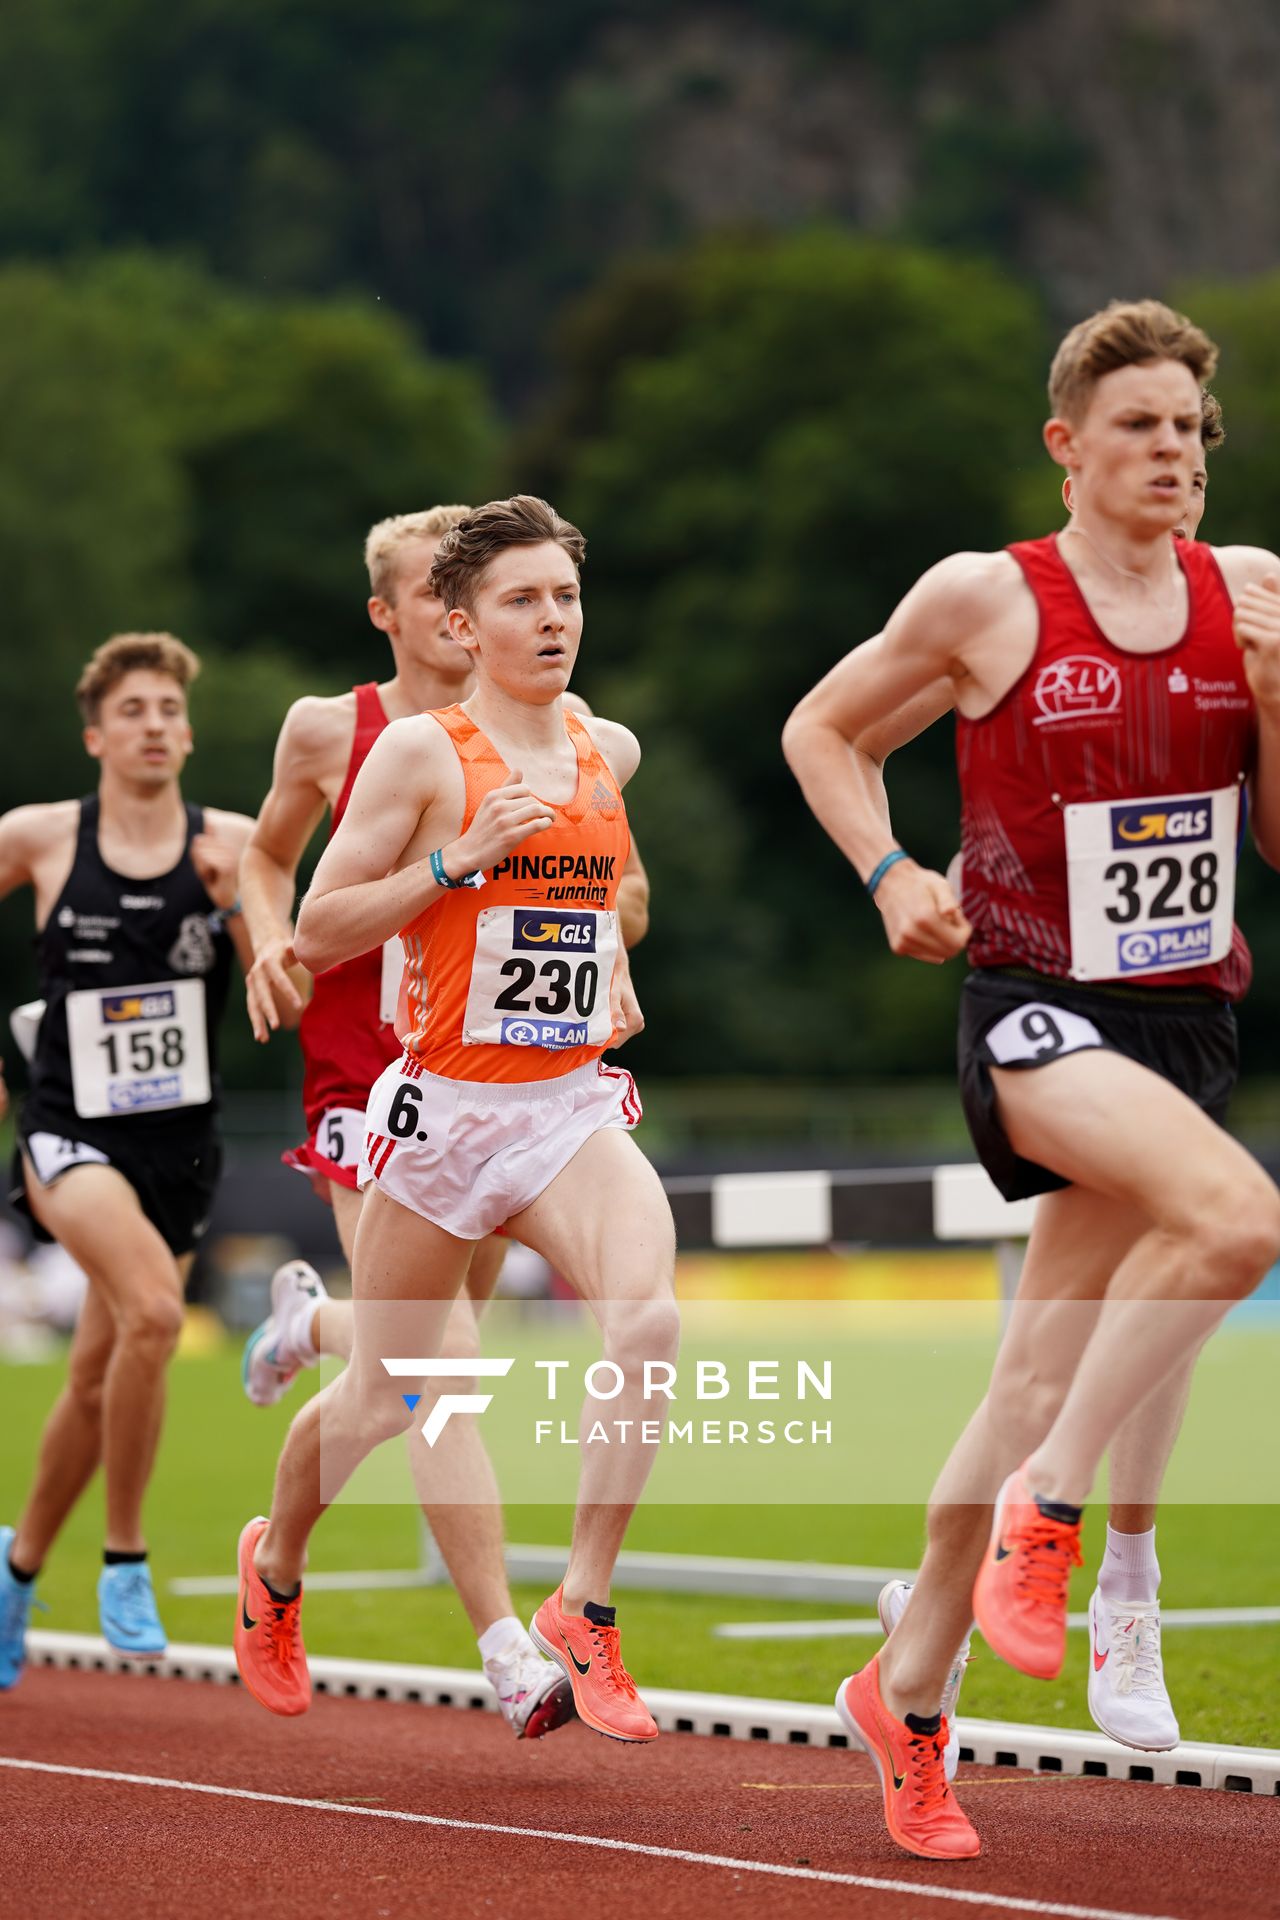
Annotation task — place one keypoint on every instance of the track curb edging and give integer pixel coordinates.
(781, 1722)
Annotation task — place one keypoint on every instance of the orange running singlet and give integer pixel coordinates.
(510, 981)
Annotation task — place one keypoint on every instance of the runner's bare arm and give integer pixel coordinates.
(633, 899)
(361, 893)
(618, 745)
(622, 751)
(32, 839)
(19, 837)
(1253, 578)
(877, 698)
(315, 736)
(15, 871)
(216, 854)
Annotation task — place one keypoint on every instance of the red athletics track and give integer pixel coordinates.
(72, 1845)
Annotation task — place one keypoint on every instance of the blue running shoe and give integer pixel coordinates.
(127, 1610)
(16, 1599)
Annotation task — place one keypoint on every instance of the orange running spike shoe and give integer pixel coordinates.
(1020, 1595)
(588, 1650)
(920, 1810)
(269, 1649)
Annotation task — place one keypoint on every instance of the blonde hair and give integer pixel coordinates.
(1124, 334)
(385, 542)
(522, 521)
(131, 653)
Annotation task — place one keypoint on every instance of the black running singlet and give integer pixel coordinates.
(134, 975)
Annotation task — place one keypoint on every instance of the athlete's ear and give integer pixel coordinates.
(1060, 439)
(382, 614)
(92, 737)
(462, 630)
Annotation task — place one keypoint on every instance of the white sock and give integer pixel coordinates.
(498, 1638)
(1130, 1573)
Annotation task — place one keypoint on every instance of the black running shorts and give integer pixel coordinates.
(174, 1173)
(1013, 1018)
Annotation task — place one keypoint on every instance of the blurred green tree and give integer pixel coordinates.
(177, 454)
(818, 419)
(1243, 504)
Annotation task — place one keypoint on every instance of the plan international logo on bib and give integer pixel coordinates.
(1172, 822)
(1186, 946)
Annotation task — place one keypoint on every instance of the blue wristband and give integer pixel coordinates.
(890, 860)
(442, 879)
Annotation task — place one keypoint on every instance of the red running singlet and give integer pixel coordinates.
(345, 1045)
(1089, 722)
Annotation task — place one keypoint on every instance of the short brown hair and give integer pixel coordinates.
(1212, 431)
(1124, 334)
(131, 653)
(522, 521)
(384, 541)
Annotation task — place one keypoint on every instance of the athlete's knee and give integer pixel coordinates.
(640, 1330)
(1238, 1236)
(375, 1404)
(152, 1321)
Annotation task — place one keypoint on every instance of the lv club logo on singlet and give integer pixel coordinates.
(1076, 688)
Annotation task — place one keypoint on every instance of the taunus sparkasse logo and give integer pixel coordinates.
(660, 1383)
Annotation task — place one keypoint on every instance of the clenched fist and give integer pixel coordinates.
(507, 815)
(1257, 628)
(922, 917)
(218, 866)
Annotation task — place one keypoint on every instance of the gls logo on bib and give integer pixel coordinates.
(1183, 821)
(133, 1006)
(537, 928)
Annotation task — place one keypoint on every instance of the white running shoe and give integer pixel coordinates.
(1127, 1695)
(275, 1351)
(534, 1695)
(891, 1606)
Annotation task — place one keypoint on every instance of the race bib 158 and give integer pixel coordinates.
(138, 1049)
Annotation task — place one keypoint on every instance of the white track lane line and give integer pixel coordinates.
(1005, 1903)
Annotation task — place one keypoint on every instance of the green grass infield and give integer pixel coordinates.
(215, 1470)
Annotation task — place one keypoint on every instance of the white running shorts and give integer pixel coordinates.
(467, 1155)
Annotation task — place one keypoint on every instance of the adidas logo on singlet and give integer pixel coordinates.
(603, 800)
